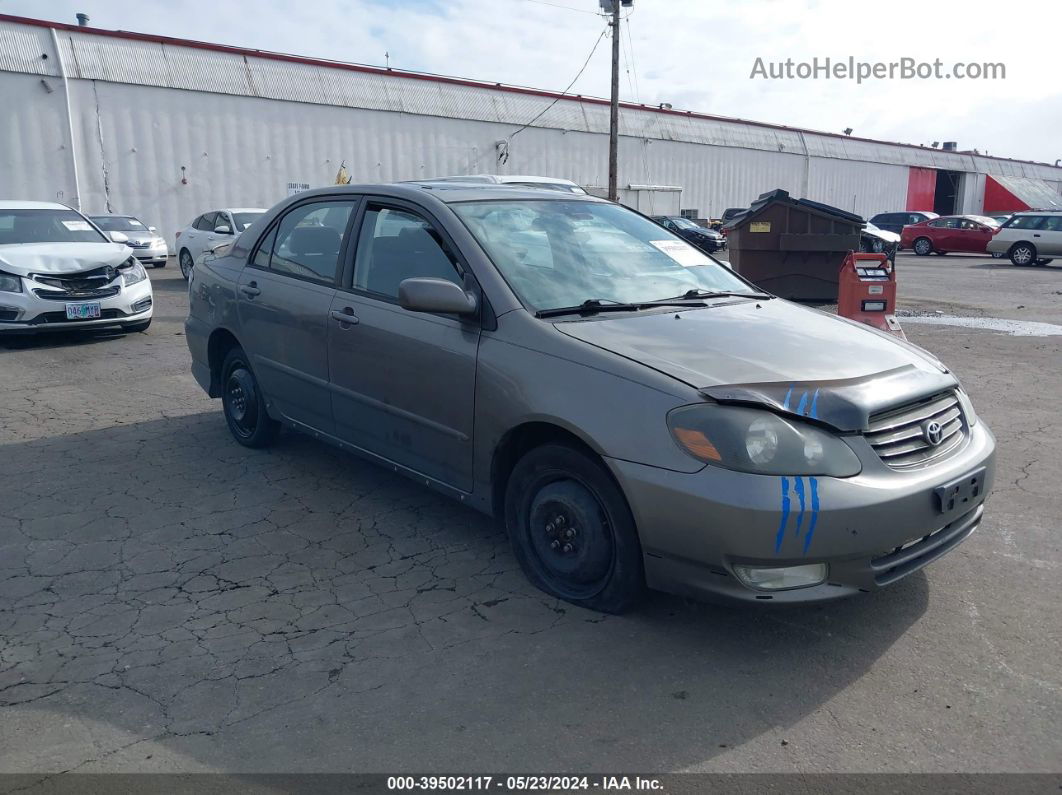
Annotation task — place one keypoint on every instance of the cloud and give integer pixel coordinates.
(691, 53)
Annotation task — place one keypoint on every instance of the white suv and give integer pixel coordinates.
(1030, 238)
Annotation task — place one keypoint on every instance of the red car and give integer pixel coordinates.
(959, 233)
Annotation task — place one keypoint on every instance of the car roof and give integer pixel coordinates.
(450, 192)
(237, 210)
(17, 204)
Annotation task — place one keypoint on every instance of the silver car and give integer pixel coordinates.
(210, 232)
(633, 411)
(148, 246)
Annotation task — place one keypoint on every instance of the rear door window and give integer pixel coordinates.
(309, 239)
(206, 222)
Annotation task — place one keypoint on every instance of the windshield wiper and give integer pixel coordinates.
(698, 293)
(593, 305)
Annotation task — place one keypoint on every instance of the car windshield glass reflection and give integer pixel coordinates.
(561, 253)
(118, 223)
(46, 226)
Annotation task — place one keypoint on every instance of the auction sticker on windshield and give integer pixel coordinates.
(683, 253)
(77, 226)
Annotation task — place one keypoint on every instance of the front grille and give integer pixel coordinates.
(58, 318)
(138, 244)
(898, 436)
(917, 552)
(76, 295)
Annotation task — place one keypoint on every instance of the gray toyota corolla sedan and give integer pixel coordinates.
(635, 412)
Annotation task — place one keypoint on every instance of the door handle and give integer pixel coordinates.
(1036, 235)
(250, 290)
(346, 317)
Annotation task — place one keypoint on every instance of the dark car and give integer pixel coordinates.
(895, 222)
(633, 412)
(705, 239)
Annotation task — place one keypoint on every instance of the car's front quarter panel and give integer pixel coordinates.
(530, 372)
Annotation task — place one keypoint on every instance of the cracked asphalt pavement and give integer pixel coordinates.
(170, 601)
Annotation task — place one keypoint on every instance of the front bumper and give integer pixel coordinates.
(152, 256)
(871, 530)
(27, 312)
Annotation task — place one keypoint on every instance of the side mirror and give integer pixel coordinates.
(118, 237)
(222, 229)
(152, 229)
(435, 295)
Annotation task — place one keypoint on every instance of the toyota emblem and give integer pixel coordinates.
(933, 433)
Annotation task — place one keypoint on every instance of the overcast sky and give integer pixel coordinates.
(695, 54)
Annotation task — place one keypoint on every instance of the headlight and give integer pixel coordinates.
(757, 441)
(10, 284)
(967, 407)
(133, 273)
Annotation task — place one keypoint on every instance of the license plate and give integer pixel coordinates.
(88, 311)
(962, 493)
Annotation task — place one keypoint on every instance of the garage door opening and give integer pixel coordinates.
(944, 200)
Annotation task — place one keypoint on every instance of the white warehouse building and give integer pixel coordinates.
(111, 121)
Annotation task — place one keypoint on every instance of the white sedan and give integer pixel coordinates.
(210, 230)
(58, 271)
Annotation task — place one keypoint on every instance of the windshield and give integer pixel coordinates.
(561, 253)
(118, 223)
(684, 223)
(46, 226)
(244, 220)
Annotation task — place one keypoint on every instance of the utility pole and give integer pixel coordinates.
(613, 125)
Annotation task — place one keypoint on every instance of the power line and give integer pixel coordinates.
(630, 49)
(566, 8)
(565, 91)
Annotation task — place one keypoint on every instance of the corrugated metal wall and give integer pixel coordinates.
(244, 126)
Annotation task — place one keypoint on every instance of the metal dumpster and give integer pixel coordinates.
(793, 248)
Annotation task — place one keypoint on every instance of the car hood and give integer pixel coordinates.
(141, 237)
(774, 353)
(27, 258)
(883, 234)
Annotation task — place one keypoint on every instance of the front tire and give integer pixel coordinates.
(187, 263)
(133, 328)
(244, 404)
(1023, 254)
(572, 531)
(923, 246)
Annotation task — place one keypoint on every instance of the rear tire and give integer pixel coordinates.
(244, 404)
(1023, 254)
(187, 263)
(572, 530)
(923, 246)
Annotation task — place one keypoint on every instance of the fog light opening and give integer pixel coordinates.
(782, 578)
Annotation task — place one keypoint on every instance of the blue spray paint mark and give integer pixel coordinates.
(789, 394)
(814, 513)
(785, 516)
(814, 413)
(800, 495)
(803, 403)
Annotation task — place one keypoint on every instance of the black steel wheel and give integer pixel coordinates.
(243, 403)
(572, 530)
